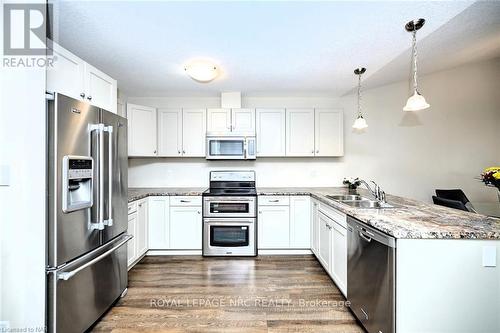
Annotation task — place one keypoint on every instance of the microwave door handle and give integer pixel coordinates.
(109, 221)
(99, 225)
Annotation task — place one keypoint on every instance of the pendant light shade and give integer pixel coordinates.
(360, 122)
(416, 102)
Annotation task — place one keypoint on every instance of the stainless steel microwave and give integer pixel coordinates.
(230, 148)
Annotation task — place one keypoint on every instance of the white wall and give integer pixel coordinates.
(409, 154)
(22, 203)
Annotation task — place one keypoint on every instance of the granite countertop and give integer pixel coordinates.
(410, 219)
(136, 193)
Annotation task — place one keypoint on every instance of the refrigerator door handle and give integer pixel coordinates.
(99, 225)
(109, 129)
(68, 275)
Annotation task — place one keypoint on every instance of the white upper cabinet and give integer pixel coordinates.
(231, 121)
(101, 89)
(67, 74)
(218, 121)
(300, 132)
(329, 132)
(141, 130)
(243, 121)
(270, 136)
(194, 128)
(75, 78)
(169, 132)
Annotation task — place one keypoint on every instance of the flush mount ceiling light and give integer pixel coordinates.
(360, 122)
(415, 102)
(202, 70)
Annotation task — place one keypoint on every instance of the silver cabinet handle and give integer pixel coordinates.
(182, 200)
(179, 152)
(68, 275)
(199, 212)
(82, 95)
(183, 151)
(89, 98)
(312, 152)
(99, 225)
(109, 129)
(154, 152)
(275, 200)
(260, 212)
(317, 151)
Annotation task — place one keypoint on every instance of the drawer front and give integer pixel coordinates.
(185, 201)
(274, 200)
(334, 214)
(132, 207)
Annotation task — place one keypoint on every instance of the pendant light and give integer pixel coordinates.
(360, 122)
(415, 102)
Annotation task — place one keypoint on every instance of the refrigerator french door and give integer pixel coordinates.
(87, 212)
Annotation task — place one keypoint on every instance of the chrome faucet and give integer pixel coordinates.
(376, 192)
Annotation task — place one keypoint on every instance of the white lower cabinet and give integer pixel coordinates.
(274, 227)
(138, 228)
(132, 244)
(284, 222)
(159, 223)
(325, 241)
(300, 222)
(332, 244)
(314, 226)
(185, 228)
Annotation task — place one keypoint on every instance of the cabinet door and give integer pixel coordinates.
(141, 130)
(270, 136)
(339, 257)
(300, 132)
(142, 227)
(329, 132)
(243, 121)
(300, 222)
(170, 132)
(158, 223)
(100, 88)
(132, 244)
(185, 228)
(315, 227)
(66, 76)
(325, 241)
(274, 227)
(218, 121)
(194, 127)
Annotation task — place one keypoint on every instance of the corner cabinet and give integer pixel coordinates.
(78, 79)
(141, 130)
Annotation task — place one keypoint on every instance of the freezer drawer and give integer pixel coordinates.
(81, 291)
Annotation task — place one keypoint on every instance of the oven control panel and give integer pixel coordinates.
(232, 176)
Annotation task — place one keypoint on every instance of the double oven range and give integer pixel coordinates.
(230, 214)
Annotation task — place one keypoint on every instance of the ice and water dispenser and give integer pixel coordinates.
(77, 182)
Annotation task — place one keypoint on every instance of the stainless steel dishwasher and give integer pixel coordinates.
(371, 260)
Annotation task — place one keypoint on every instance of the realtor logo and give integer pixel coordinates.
(24, 28)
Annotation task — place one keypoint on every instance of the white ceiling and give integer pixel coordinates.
(263, 48)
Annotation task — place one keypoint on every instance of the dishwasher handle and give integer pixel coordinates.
(364, 236)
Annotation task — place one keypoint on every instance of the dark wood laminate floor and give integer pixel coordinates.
(263, 294)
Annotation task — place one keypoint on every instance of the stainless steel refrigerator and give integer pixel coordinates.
(87, 213)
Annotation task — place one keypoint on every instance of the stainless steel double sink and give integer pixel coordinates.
(358, 201)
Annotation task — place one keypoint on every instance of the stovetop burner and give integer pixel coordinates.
(230, 192)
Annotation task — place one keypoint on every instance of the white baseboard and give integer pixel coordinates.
(284, 251)
(174, 253)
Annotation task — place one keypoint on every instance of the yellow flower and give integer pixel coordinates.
(496, 175)
(490, 169)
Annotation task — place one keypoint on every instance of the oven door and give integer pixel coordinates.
(226, 148)
(229, 237)
(229, 207)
